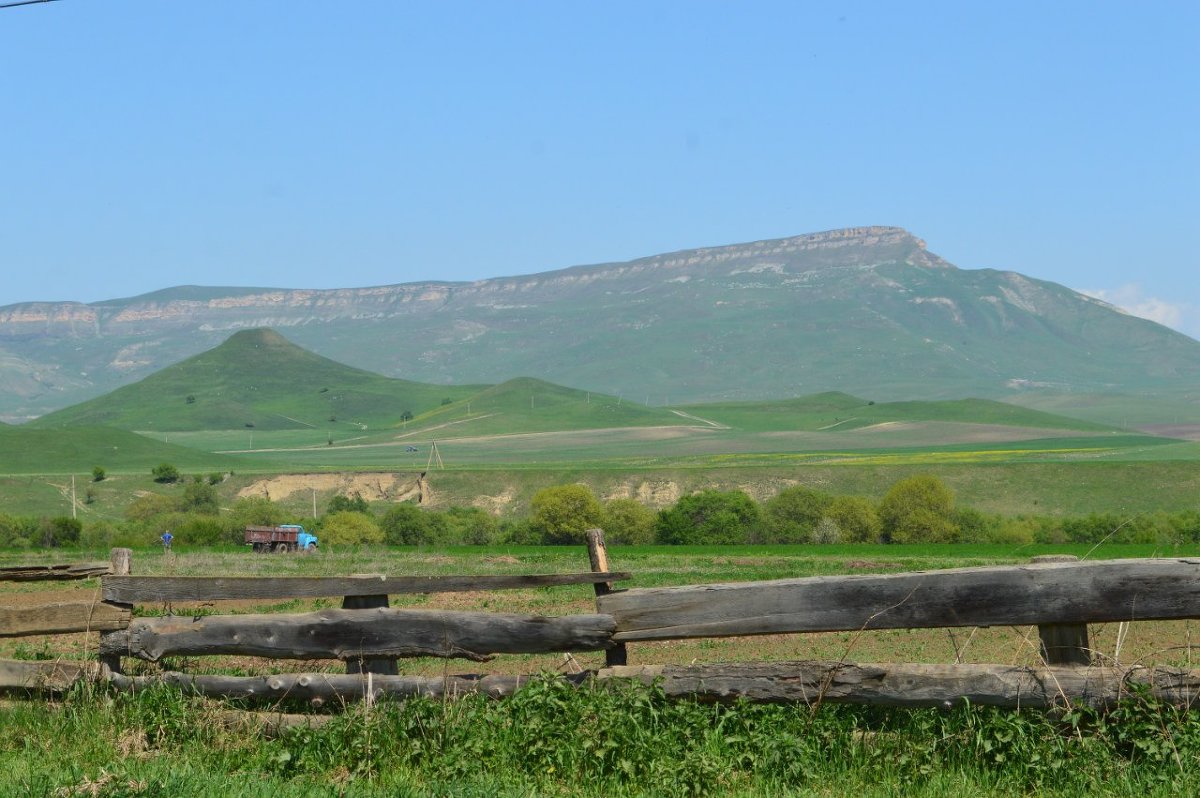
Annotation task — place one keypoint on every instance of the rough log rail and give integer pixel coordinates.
(1084, 592)
(150, 589)
(43, 573)
(811, 683)
(321, 688)
(360, 634)
(908, 685)
(44, 677)
(62, 618)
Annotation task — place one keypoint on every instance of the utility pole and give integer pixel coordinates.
(74, 505)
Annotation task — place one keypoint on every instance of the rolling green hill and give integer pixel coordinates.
(531, 405)
(257, 379)
(79, 449)
(841, 411)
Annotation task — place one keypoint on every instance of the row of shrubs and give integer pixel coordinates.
(918, 509)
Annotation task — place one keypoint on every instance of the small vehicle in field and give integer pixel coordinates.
(285, 537)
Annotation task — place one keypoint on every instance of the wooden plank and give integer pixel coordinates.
(1083, 592)
(50, 677)
(381, 665)
(598, 558)
(62, 618)
(121, 564)
(909, 685)
(44, 573)
(158, 589)
(1063, 643)
(321, 688)
(355, 634)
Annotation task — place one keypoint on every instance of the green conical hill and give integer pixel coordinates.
(256, 378)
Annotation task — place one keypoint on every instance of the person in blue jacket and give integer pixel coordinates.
(167, 537)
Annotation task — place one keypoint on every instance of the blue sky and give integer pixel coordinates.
(149, 143)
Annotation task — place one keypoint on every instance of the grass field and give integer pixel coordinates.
(556, 740)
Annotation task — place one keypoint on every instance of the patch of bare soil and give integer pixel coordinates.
(495, 504)
(508, 559)
(371, 486)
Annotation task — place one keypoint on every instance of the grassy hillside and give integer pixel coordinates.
(530, 405)
(835, 410)
(77, 450)
(257, 379)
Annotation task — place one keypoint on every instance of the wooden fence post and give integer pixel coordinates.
(121, 563)
(382, 665)
(1063, 643)
(598, 556)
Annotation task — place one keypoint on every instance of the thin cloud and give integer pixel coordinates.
(1181, 316)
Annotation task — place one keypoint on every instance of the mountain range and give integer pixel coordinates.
(868, 310)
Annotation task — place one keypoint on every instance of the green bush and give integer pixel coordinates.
(628, 522)
(342, 504)
(919, 509)
(60, 531)
(165, 472)
(710, 517)
(349, 528)
(792, 515)
(564, 513)
(471, 526)
(406, 524)
(855, 517)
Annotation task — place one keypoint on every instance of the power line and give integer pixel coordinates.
(25, 3)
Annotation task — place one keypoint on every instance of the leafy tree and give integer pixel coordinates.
(342, 504)
(827, 531)
(792, 515)
(709, 517)
(18, 532)
(855, 516)
(165, 472)
(470, 525)
(564, 513)
(629, 522)
(406, 524)
(61, 531)
(98, 534)
(98, 473)
(349, 528)
(200, 497)
(918, 509)
(407, 415)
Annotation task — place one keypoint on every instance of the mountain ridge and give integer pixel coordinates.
(867, 310)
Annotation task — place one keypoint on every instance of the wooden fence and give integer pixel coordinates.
(1058, 595)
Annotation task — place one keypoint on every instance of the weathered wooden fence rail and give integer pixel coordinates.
(1008, 595)
(361, 634)
(153, 589)
(42, 573)
(1061, 598)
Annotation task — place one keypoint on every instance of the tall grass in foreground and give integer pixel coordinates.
(553, 739)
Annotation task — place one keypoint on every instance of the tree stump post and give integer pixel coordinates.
(1063, 643)
(121, 564)
(380, 665)
(598, 557)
